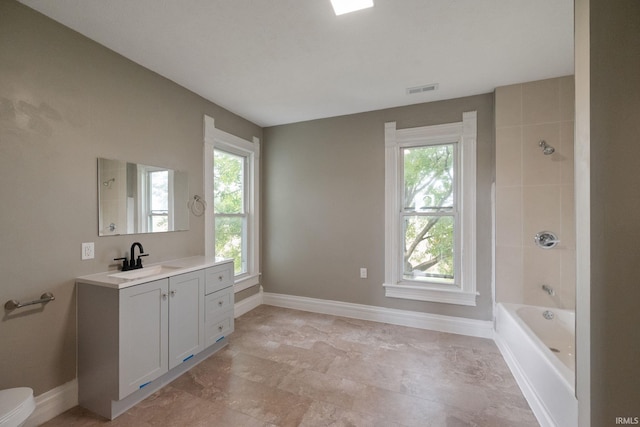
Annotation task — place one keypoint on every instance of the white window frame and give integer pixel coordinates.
(217, 139)
(464, 133)
(144, 201)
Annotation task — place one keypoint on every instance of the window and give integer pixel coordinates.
(231, 187)
(430, 212)
(158, 191)
(155, 185)
(229, 208)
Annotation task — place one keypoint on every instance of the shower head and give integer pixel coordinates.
(546, 148)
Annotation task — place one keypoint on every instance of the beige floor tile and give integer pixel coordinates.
(291, 368)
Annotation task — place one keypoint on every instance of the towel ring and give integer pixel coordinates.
(197, 205)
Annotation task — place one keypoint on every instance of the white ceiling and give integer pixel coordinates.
(284, 61)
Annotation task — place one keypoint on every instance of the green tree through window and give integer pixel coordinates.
(229, 173)
(428, 212)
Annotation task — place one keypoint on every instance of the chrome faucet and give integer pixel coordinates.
(548, 289)
(546, 239)
(133, 263)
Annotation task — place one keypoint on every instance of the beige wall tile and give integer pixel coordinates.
(509, 106)
(509, 216)
(509, 156)
(540, 102)
(540, 267)
(538, 168)
(541, 212)
(565, 152)
(541, 192)
(509, 274)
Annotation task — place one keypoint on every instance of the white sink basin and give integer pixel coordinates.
(144, 272)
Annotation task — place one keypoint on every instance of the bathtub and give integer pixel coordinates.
(540, 354)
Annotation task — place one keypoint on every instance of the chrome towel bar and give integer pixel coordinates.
(13, 304)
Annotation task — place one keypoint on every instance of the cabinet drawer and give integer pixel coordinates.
(218, 327)
(219, 277)
(218, 302)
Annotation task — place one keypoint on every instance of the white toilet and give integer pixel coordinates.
(16, 405)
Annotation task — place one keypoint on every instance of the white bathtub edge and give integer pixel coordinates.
(537, 407)
(551, 399)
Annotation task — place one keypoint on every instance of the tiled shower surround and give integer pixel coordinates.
(535, 192)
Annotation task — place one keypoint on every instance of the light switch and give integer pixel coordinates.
(88, 251)
(363, 273)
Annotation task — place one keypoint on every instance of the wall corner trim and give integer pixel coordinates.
(413, 319)
(54, 402)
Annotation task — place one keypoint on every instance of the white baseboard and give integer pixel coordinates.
(53, 403)
(414, 319)
(248, 304)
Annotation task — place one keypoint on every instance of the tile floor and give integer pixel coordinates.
(292, 368)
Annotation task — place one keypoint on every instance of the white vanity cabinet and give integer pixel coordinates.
(219, 303)
(186, 316)
(135, 338)
(143, 324)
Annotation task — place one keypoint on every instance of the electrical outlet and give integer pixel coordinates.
(363, 273)
(88, 251)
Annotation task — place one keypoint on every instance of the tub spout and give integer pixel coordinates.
(548, 289)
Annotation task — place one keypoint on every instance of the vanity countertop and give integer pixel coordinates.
(165, 269)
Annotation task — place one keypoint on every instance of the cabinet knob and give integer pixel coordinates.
(173, 293)
(220, 303)
(220, 278)
(220, 328)
(164, 295)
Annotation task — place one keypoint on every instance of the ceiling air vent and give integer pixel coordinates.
(422, 89)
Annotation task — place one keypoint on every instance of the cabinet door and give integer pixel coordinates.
(186, 316)
(143, 334)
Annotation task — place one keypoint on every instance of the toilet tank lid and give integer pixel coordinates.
(15, 400)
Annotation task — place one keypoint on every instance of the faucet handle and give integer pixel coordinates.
(124, 263)
(546, 239)
(139, 261)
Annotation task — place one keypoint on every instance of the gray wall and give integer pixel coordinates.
(615, 203)
(64, 102)
(323, 205)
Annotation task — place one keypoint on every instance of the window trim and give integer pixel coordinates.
(465, 133)
(145, 219)
(217, 139)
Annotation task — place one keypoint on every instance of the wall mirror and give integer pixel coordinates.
(135, 198)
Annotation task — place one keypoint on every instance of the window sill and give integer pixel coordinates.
(422, 293)
(245, 282)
